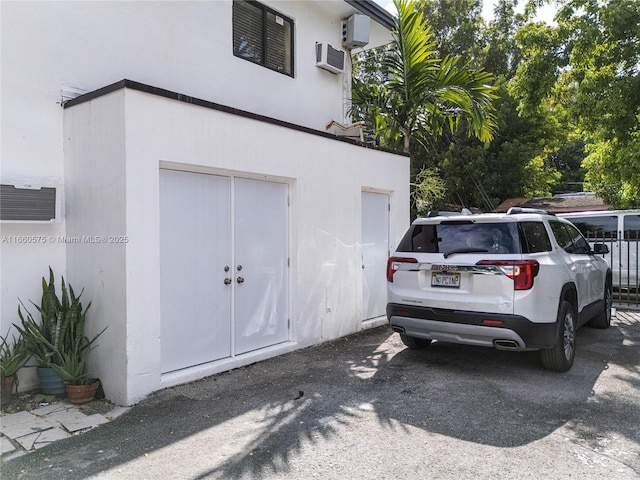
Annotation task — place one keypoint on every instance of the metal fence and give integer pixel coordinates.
(623, 258)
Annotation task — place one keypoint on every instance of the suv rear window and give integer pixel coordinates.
(459, 235)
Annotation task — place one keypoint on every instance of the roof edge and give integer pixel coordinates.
(161, 92)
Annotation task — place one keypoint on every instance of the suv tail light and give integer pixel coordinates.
(522, 272)
(394, 263)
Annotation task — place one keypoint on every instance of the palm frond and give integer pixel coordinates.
(422, 95)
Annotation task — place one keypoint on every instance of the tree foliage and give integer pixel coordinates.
(428, 189)
(515, 162)
(456, 26)
(589, 65)
(416, 91)
(417, 95)
(568, 113)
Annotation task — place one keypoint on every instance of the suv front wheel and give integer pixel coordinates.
(603, 320)
(559, 358)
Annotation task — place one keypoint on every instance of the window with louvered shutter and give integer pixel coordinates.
(262, 36)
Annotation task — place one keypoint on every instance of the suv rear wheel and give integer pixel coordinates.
(559, 358)
(414, 342)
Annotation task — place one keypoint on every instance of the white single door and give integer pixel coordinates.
(375, 251)
(195, 260)
(260, 264)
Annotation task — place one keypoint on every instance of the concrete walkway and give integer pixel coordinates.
(26, 431)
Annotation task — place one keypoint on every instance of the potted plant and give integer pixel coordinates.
(60, 331)
(80, 386)
(13, 356)
(39, 339)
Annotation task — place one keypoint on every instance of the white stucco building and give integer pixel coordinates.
(202, 205)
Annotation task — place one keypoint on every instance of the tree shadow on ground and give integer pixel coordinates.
(478, 395)
(281, 406)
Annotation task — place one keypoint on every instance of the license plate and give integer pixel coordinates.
(448, 280)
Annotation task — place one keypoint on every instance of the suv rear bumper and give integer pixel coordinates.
(455, 326)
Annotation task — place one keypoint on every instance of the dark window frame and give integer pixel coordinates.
(265, 48)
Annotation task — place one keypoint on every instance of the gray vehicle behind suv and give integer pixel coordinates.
(524, 280)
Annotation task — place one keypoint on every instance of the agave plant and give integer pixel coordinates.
(71, 369)
(61, 329)
(13, 355)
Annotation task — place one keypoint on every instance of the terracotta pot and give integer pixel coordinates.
(80, 394)
(6, 389)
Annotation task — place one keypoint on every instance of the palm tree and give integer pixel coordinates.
(418, 95)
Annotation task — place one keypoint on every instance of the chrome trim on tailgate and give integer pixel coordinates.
(481, 269)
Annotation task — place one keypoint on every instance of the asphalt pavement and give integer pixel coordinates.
(365, 407)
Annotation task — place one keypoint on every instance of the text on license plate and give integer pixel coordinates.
(441, 279)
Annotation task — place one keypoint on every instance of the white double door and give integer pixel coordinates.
(224, 267)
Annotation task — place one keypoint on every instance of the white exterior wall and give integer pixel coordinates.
(185, 47)
(181, 46)
(95, 185)
(326, 178)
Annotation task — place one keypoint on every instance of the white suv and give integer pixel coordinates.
(524, 280)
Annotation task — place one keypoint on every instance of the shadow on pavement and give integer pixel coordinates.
(257, 418)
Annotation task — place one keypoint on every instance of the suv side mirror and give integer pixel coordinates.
(600, 248)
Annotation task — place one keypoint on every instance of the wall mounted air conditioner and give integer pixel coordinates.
(329, 58)
(29, 203)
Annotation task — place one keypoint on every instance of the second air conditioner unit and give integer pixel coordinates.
(329, 58)
(29, 203)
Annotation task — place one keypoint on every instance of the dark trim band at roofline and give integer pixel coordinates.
(161, 92)
(375, 11)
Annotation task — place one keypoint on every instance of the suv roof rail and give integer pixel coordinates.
(515, 210)
(439, 213)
